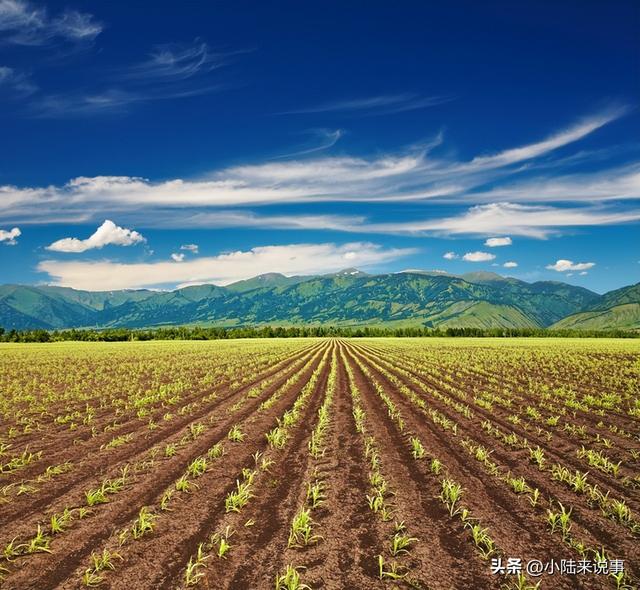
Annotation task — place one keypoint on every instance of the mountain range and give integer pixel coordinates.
(347, 298)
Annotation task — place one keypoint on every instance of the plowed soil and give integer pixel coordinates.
(383, 379)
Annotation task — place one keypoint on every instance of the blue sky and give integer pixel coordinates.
(150, 145)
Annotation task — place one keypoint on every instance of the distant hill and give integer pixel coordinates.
(346, 298)
(618, 309)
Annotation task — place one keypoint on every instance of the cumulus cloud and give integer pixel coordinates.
(450, 255)
(565, 265)
(510, 264)
(495, 242)
(9, 238)
(478, 256)
(190, 248)
(177, 257)
(291, 259)
(107, 234)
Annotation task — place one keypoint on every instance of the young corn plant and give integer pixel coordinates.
(239, 498)
(417, 449)
(400, 543)
(235, 434)
(534, 497)
(315, 493)
(59, 522)
(277, 437)
(194, 573)
(216, 451)
(39, 543)
(91, 579)
(197, 467)
(518, 484)
(579, 482)
(290, 579)
(537, 456)
(221, 540)
(483, 541)
(560, 521)
(183, 484)
(104, 561)
(144, 524)
(450, 495)
(301, 533)
(392, 573)
(521, 583)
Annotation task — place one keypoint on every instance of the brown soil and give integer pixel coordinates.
(351, 536)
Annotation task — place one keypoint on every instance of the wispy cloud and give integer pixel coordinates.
(533, 221)
(374, 105)
(225, 268)
(24, 23)
(555, 141)
(170, 72)
(107, 234)
(325, 139)
(414, 175)
(619, 183)
(111, 101)
(16, 84)
(178, 61)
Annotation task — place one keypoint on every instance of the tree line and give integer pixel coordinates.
(220, 333)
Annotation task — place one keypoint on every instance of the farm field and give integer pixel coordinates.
(320, 463)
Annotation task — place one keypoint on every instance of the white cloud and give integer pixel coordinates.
(622, 182)
(409, 175)
(570, 135)
(325, 139)
(26, 24)
(535, 221)
(376, 105)
(495, 242)
(478, 256)
(177, 257)
(510, 264)
(565, 265)
(9, 238)
(190, 248)
(450, 255)
(178, 61)
(225, 268)
(18, 84)
(584, 272)
(171, 72)
(111, 100)
(107, 234)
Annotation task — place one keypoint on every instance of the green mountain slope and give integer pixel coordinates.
(347, 298)
(616, 309)
(625, 317)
